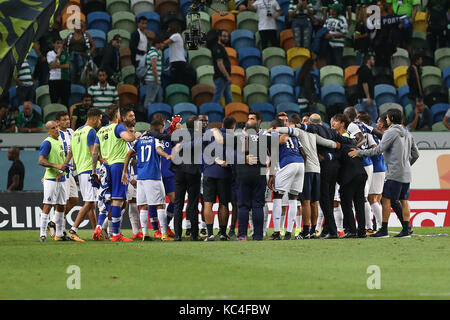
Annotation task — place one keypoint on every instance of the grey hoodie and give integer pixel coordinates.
(399, 151)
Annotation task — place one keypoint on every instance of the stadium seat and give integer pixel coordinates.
(280, 93)
(205, 75)
(420, 23)
(353, 94)
(125, 57)
(176, 93)
(288, 107)
(254, 93)
(435, 94)
(333, 94)
(403, 93)
(185, 110)
(287, 39)
(185, 6)
(35, 107)
(400, 76)
(384, 93)
(128, 74)
(123, 33)
(439, 127)
(265, 125)
(442, 58)
(173, 17)
(127, 94)
(217, 6)
(407, 111)
(439, 110)
(90, 6)
(141, 126)
(297, 56)
(205, 21)
(113, 6)
(258, 74)
(419, 40)
(99, 21)
(238, 76)
(242, 39)
(202, 93)
(431, 76)
(232, 55)
(331, 75)
(43, 96)
(162, 108)
(51, 110)
(238, 111)
(140, 6)
(98, 36)
(165, 6)
(214, 111)
(226, 22)
(124, 20)
(64, 33)
(258, 41)
(267, 110)
(247, 20)
(236, 92)
(76, 93)
(400, 58)
(386, 106)
(249, 57)
(153, 20)
(382, 75)
(349, 57)
(200, 57)
(282, 75)
(351, 76)
(273, 56)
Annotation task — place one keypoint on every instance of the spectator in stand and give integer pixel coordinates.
(242, 5)
(446, 120)
(222, 68)
(307, 98)
(59, 80)
(80, 46)
(29, 120)
(366, 83)
(224, 38)
(337, 29)
(7, 119)
(103, 94)
(300, 13)
(25, 84)
(111, 59)
(382, 43)
(16, 172)
(317, 17)
(153, 62)
(361, 36)
(79, 112)
(268, 11)
(401, 35)
(437, 22)
(414, 75)
(421, 119)
(138, 42)
(42, 47)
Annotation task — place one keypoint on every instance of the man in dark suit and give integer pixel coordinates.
(138, 42)
(111, 59)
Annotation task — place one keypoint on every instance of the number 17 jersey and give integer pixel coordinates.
(149, 161)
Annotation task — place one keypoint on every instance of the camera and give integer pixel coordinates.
(269, 13)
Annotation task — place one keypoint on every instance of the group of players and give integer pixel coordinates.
(119, 169)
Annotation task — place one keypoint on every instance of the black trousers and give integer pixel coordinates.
(269, 36)
(353, 192)
(59, 90)
(328, 177)
(190, 183)
(181, 72)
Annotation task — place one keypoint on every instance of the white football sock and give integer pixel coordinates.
(377, 210)
(44, 222)
(368, 214)
(74, 229)
(59, 221)
(266, 217)
(283, 220)
(134, 218)
(143, 215)
(109, 227)
(291, 214)
(339, 218)
(188, 223)
(162, 217)
(276, 214)
(250, 221)
(105, 224)
(320, 218)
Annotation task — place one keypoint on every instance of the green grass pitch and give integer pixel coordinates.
(416, 268)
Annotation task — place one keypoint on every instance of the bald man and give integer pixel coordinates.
(52, 157)
(17, 171)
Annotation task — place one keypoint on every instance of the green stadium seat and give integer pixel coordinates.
(408, 110)
(50, 111)
(205, 21)
(247, 20)
(254, 93)
(64, 33)
(389, 105)
(141, 126)
(139, 6)
(218, 6)
(439, 126)
(431, 76)
(123, 33)
(124, 20)
(349, 57)
(258, 75)
(114, 6)
(419, 40)
(43, 96)
(176, 93)
(200, 57)
(265, 125)
(128, 73)
(400, 58)
(205, 75)
(442, 58)
(273, 56)
(331, 75)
